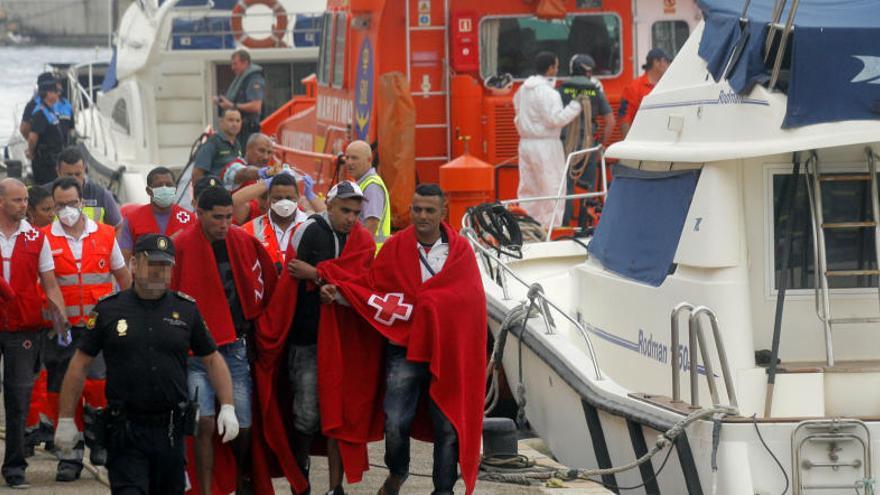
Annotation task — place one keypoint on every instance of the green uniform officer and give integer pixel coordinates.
(221, 148)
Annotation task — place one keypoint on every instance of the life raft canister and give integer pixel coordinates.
(279, 27)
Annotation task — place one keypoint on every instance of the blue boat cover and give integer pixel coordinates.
(642, 222)
(206, 33)
(110, 81)
(307, 30)
(835, 56)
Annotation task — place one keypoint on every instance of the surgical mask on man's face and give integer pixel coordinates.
(284, 208)
(163, 196)
(69, 215)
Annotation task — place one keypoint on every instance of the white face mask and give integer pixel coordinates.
(163, 196)
(69, 215)
(284, 208)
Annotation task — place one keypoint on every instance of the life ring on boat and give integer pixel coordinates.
(279, 27)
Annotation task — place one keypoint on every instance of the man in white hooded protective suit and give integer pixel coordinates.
(540, 118)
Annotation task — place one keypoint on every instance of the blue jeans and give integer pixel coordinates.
(303, 374)
(407, 381)
(235, 355)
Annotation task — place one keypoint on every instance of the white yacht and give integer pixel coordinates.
(171, 57)
(744, 207)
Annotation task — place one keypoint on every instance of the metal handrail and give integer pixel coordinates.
(565, 197)
(697, 342)
(564, 181)
(722, 355)
(471, 235)
(780, 53)
(93, 124)
(197, 14)
(674, 343)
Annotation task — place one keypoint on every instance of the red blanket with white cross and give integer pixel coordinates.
(441, 321)
(349, 368)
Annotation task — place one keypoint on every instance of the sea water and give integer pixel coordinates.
(20, 67)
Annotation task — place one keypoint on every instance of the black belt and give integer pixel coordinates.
(152, 418)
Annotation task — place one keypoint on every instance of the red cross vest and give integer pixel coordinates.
(262, 229)
(24, 312)
(142, 221)
(82, 287)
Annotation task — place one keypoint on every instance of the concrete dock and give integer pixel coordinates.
(41, 475)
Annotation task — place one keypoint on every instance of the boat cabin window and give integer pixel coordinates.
(325, 57)
(339, 51)
(847, 249)
(509, 44)
(120, 116)
(669, 35)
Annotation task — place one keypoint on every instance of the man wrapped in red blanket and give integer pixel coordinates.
(231, 277)
(333, 357)
(424, 295)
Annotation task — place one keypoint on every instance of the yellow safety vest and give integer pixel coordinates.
(383, 231)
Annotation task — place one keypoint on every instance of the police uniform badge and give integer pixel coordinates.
(162, 244)
(121, 327)
(90, 322)
(175, 315)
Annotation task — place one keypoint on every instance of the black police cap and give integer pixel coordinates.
(203, 183)
(157, 247)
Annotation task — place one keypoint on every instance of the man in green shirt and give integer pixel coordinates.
(219, 149)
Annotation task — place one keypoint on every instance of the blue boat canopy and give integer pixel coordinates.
(642, 222)
(834, 56)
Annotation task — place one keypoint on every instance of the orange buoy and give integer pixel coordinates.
(467, 181)
(279, 27)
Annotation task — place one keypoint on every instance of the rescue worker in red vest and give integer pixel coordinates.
(250, 201)
(87, 260)
(26, 260)
(376, 213)
(159, 216)
(38, 428)
(273, 229)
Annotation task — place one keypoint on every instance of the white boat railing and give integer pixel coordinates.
(539, 296)
(563, 197)
(272, 19)
(84, 106)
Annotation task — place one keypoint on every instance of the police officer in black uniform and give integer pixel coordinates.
(48, 135)
(146, 333)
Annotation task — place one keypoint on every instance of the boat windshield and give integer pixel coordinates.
(509, 44)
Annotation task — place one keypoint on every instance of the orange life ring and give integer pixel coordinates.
(279, 27)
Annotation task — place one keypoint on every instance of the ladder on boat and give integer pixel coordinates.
(835, 454)
(820, 226)
(427, 71)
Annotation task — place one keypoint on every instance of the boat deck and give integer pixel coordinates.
(858, 366)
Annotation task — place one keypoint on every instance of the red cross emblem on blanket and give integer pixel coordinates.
(390, 307)
(183, 217)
